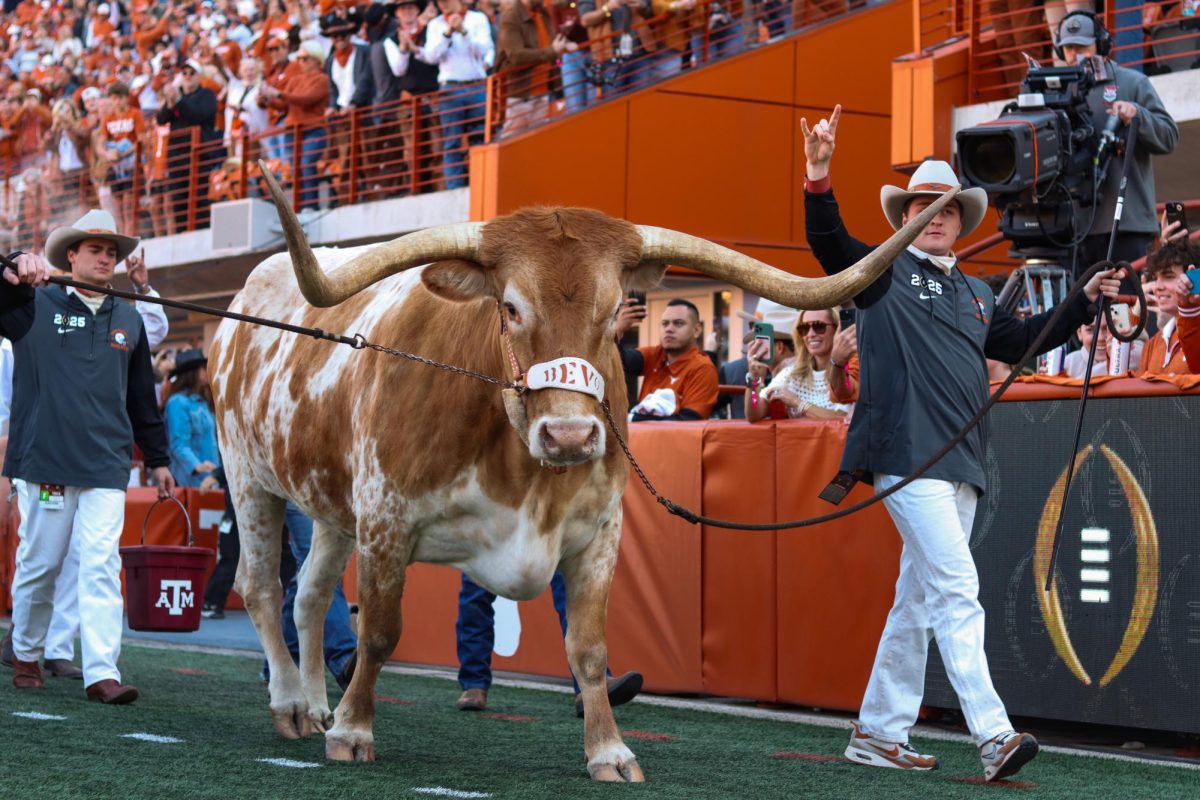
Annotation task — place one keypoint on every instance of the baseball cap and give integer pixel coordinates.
(90, 93)
(1080, 30)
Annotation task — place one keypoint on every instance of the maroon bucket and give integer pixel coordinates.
(164, 584)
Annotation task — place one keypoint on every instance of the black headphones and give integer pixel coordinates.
(1104, 42)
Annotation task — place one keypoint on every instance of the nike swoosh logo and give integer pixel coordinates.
(892, 752)
(924, 296)
(67, 330)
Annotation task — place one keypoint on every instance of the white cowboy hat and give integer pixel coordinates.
(781, 318)
(309, 49)
(933, 178)
(95, 224)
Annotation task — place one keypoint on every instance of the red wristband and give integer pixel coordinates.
(818, 186)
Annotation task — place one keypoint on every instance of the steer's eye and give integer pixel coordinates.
(512, 312)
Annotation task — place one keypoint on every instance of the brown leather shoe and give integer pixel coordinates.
(111, 693)
(472, 700)
(6, 654)
(26, 675)
(62, 668)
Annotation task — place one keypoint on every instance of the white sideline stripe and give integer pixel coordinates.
(152, 737)
(1094, 535)
(447, 674)
(37, 715)
(287, 762)
(442, 791)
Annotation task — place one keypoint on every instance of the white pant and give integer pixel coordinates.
(64, 621)
(937, 594)
(89, 523)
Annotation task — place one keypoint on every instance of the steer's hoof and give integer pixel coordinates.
(321, 719)
(349, 746)
(292, 721)
(620, 770)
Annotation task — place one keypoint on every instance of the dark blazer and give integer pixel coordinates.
(364, 82)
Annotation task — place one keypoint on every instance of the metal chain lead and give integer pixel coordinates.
(441, 365)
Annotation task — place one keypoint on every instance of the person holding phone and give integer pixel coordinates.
(1187, 297)
(1164, 273)
(675, 365)
(800, 385)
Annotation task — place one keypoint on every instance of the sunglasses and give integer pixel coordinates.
(816, 327)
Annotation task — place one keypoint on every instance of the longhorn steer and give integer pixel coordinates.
(406, 463)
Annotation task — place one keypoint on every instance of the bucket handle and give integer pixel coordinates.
(186, 518)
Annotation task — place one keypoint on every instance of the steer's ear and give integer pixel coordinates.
(458, 280)
(646, 275)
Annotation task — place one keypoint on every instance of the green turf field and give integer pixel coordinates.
(217, 706)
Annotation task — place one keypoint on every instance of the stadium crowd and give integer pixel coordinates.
(128, 104)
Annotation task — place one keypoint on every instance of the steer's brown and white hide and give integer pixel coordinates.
(401, 462)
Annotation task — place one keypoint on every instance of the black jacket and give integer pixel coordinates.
(364, 82)
(923, 337)
(198, 109)
(83, 390)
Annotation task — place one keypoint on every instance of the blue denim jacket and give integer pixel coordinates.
(191, 437)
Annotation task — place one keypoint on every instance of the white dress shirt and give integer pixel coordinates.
(460, 57)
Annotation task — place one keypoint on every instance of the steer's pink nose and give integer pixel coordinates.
(570, 440)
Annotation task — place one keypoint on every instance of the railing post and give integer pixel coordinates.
(245, 164)
(972, 38)
(296, 176)
(414, 171)
(137, 188)
(704, 43)
(489, 109)
(193, 177)
(355, 136)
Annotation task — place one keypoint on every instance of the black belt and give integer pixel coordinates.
(459, 83)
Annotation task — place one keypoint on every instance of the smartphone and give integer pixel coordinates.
(766, 331)
(846, 317)
(1176, 213)
(1120, 315)
(1193, 275)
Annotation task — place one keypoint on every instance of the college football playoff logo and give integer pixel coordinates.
(1145, 593)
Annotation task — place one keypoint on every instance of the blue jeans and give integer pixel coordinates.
(577, 88)
(340, 642)
(476, 630)
(312, 147)
(461, 113)
(279, 146)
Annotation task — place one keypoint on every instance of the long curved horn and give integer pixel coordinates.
(664, 246)
(460, 240)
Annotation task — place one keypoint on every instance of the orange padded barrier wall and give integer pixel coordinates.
(717, 152)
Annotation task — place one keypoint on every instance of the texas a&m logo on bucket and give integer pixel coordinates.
(175, 596)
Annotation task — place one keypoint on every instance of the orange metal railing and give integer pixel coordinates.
(409, 146)
(1152, 36)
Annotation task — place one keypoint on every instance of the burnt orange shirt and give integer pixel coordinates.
(1161, 357)
(692, 377)
(125, 126)
(1189, 338)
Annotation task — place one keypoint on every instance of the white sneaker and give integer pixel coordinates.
(866, 749)
(1005, 754)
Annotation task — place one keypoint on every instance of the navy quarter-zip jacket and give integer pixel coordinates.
(923, 340)
(83, 390)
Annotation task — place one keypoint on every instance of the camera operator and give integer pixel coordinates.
(1121, 94)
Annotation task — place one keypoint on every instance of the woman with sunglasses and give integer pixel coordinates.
(800, 385)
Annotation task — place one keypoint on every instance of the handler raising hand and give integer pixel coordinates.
(924, 333)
